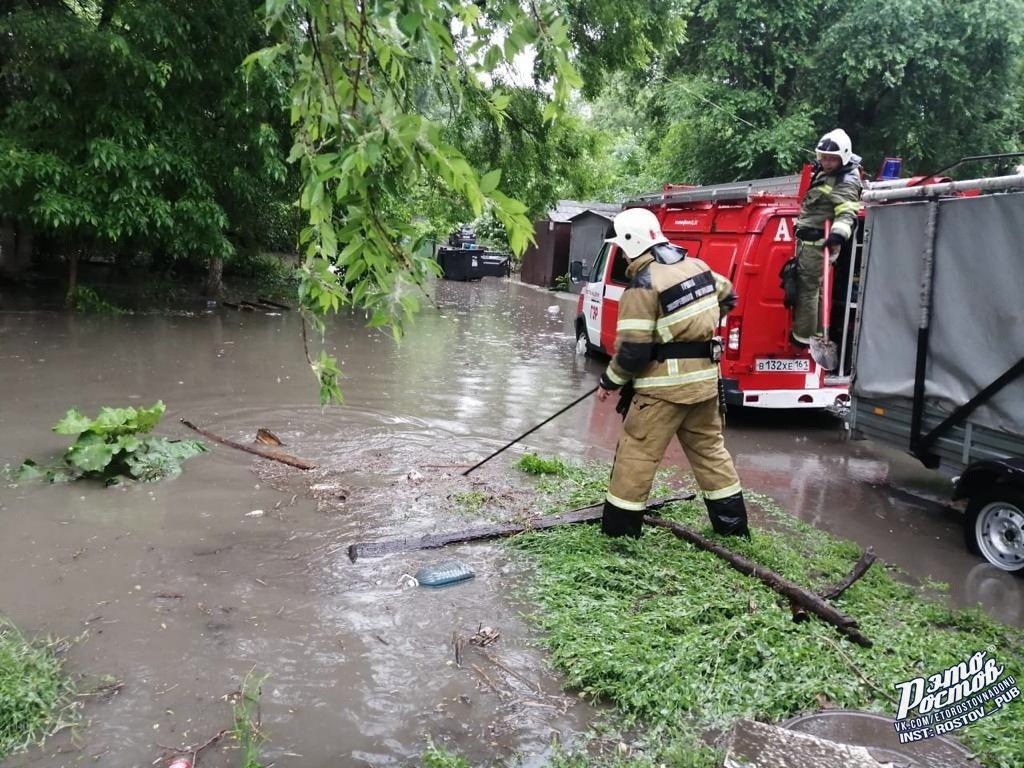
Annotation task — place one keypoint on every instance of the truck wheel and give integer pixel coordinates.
(583, 345)
(994, 527)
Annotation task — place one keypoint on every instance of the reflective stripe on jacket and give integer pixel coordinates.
(667, 302)
(832, 197)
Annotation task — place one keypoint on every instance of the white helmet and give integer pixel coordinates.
(636, 230)
(836, 143)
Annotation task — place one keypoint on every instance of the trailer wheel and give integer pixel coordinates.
(994, 527)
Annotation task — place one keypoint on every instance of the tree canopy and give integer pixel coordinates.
(126, 124)
(754, 84)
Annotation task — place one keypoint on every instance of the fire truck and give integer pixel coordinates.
(744, 231)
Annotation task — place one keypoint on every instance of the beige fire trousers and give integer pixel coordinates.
(646, 433)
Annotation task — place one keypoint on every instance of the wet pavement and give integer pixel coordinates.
(182, 588)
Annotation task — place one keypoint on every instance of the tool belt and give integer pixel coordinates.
(809, 234)
(699, 350)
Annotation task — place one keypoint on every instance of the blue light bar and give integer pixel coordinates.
(892, 167)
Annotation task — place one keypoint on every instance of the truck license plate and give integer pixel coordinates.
(765, 365)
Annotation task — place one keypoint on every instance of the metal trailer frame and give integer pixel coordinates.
(930, 435)
(991, 462)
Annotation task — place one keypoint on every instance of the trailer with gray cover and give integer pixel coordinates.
(939, 345)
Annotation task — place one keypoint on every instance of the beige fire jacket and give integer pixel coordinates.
(679, 301)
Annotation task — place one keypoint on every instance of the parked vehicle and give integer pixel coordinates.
(743, 231)
(939, 346)
(464, 259)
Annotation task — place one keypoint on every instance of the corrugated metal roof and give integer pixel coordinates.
(565, 210)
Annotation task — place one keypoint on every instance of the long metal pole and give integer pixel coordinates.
(933, 190)
(579, 399)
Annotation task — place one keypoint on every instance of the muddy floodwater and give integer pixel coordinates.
(176, 591)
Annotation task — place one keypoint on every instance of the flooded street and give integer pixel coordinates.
(180, 589)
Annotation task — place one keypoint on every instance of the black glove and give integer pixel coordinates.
(834, 238)
(728, 304)
(809, 233)
(625, 399)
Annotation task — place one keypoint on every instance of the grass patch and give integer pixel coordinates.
(533, 464)
(682, 644)
(470, 503)
(246, 731)
(34, 694)
(436, 757)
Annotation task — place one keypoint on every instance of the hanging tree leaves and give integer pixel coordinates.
(362, 144)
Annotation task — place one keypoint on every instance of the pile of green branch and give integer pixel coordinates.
(682, 644)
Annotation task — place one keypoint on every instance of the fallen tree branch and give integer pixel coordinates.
(859, 569)
(195, 749)
(864, 678)
(273, 304)
(437, 540)
(786, 588)
(284, 458)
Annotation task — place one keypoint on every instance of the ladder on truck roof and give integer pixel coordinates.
(789, 186)
(780, 186)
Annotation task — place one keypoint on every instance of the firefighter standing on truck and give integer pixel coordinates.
(833, 196)
(665, 349)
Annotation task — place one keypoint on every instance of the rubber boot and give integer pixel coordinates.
(728, 516)
(616, 521)
(797, 343)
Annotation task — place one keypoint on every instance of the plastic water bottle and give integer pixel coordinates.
(448, 572)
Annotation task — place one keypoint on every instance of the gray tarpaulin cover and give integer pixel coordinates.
(977, 322)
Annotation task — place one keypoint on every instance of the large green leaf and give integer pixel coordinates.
(159, 458)
(73, 423)
(147, 418)
(91, 453)
(114, 421)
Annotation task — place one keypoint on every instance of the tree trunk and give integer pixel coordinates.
(214, 287)
(26, 244)
(8, 245)
(69, 297)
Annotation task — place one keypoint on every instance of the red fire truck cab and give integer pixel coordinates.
(743, 231)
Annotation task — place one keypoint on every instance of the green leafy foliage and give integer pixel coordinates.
(436, 757)
(245, 705)
(125, 124)
(532, 464)
(85, 299)
(33, 690)
(679, 641)
(364, 143)
(753, 85)
(110, 448)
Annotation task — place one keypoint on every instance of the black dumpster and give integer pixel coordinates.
(459, 263)
(494, 264)
(471, 263)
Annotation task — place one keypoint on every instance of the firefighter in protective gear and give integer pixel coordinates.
(665, 348)
(833, 196)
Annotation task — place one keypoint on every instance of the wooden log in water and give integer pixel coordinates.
(797, 594)
(437, 540)
(284, 458)
(273, 304)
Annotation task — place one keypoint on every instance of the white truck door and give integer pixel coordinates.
(593, 297)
